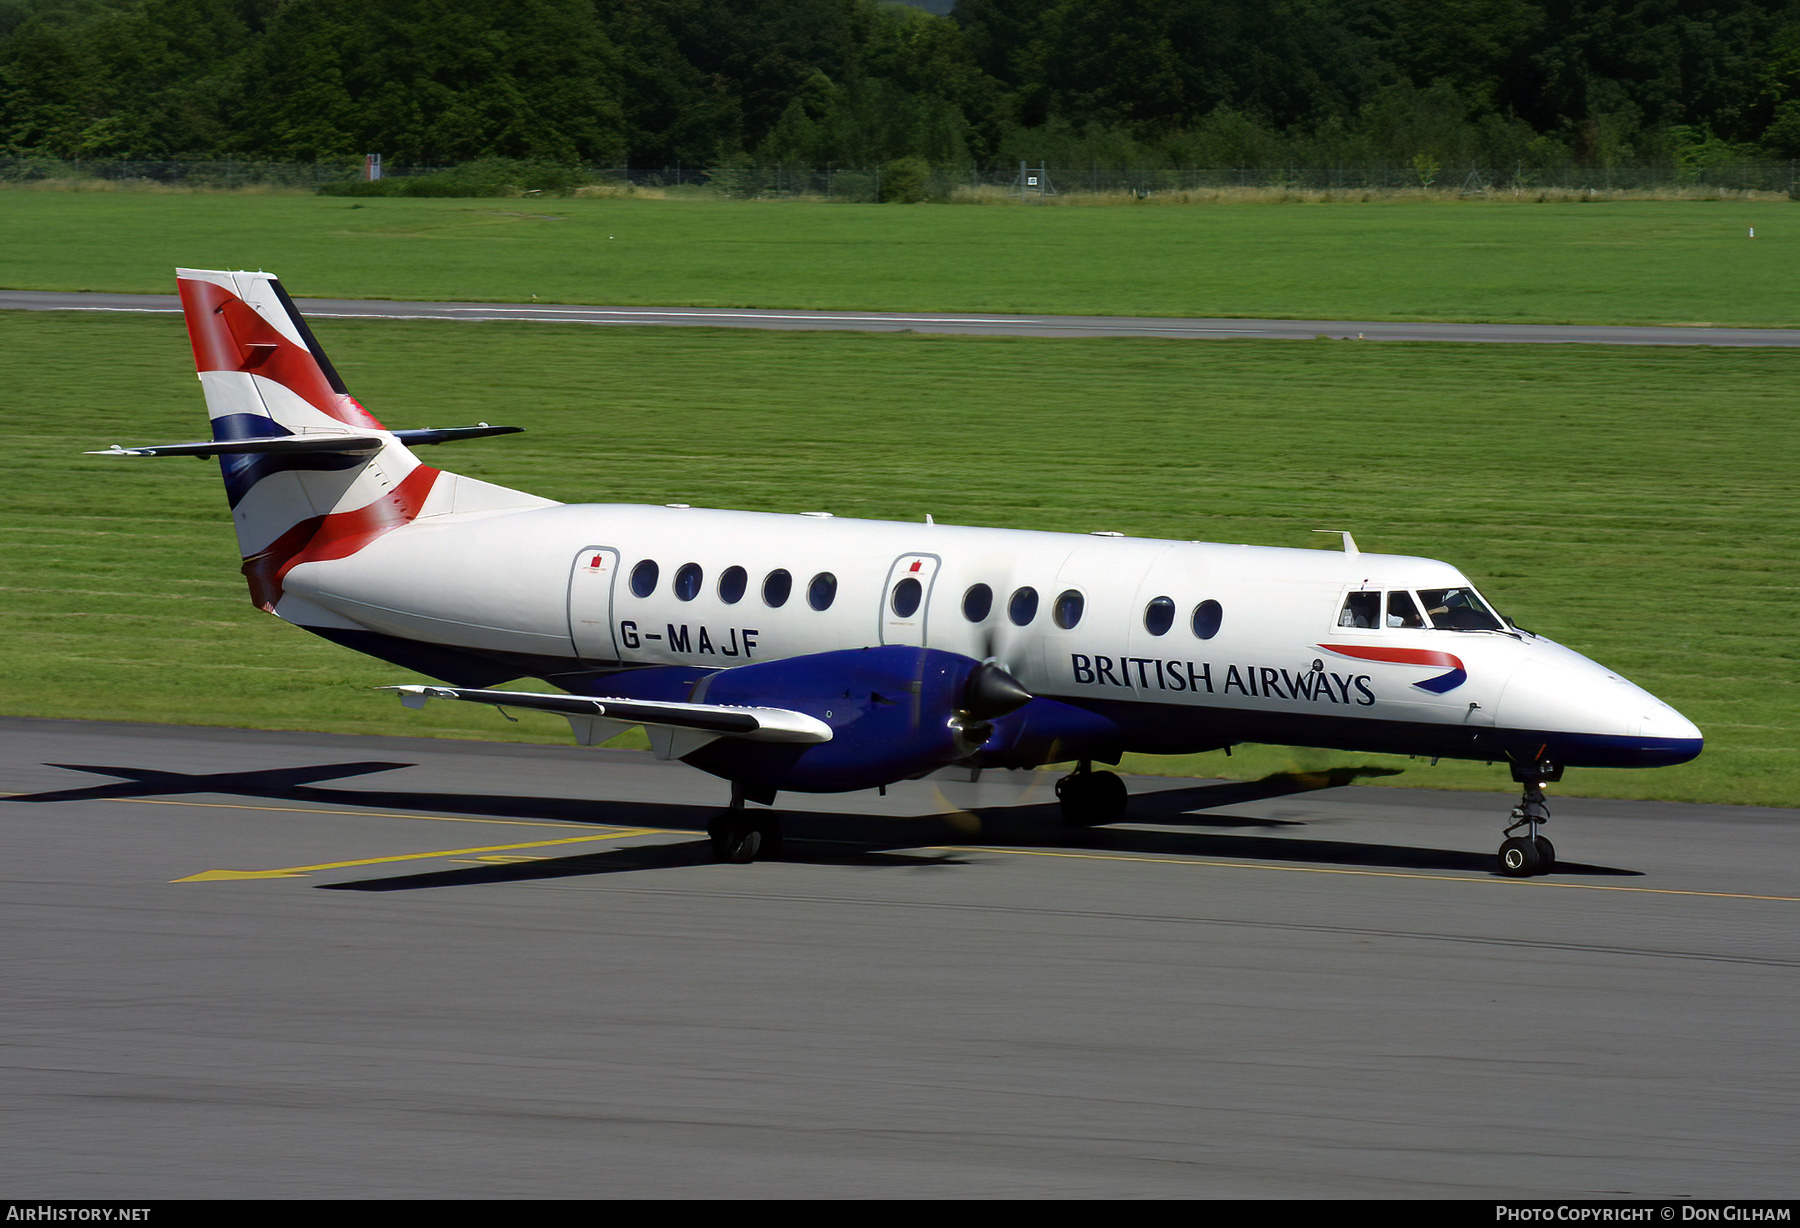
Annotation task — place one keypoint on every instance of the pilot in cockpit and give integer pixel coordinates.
(1458, 609)
(1447, 609)
(1361, 610)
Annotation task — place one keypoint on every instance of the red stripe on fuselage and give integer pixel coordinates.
(1399, 656)
(228, 335)
(335, 536)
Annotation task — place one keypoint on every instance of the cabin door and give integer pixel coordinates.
(906, 599)
(590, 603)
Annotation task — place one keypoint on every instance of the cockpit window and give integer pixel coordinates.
(1361, 610)
(1458, 609)
(1446, 609)
(1402, 612)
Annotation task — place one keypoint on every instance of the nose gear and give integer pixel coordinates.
(1522, 857)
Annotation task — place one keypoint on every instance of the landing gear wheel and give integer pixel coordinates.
(1546, 854)
(1091, 798)
(1531, 853)
(735, 839)
(1520, 858)
(739, 838)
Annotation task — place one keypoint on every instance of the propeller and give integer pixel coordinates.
(989, 694)
(994, 646)
(992, 693)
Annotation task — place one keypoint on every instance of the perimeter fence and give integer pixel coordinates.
(1046, 182)
(908, 179)
(186, 172)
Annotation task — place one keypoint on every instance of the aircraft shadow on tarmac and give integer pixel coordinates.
(821, 838)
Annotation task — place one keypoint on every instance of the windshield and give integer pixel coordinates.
(1458, 609)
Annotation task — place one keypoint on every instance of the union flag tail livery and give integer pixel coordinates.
(806, 653)
(309, 473)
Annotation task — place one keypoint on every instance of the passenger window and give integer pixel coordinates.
(643, 577)
(1361, 610)
(1067, 610)
(1023, 607)
(687, 582)
(1159, 616)
(822, 591)
(907, 593)
(1207, 618)
(731, 585)
(1402, 612)
(777, 587)
(978, 603)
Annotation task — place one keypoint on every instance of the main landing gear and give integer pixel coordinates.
(1524, 856)
(1090, 798)
(740, 837)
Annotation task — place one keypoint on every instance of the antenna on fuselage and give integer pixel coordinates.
(1349, 542)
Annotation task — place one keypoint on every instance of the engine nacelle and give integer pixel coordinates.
(894, 712)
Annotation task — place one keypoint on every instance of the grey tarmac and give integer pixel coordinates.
(447, 969)
(942, 322)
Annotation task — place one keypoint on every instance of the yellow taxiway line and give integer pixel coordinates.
(299, 871)
(355, 814)
(213, 876)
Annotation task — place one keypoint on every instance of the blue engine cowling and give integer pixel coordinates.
(894, 712)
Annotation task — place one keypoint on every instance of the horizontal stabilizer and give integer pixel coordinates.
(353, 445)
(451, 434)
(714, 720)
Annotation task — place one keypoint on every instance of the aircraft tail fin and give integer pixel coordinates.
(245, 330)
(309, 473)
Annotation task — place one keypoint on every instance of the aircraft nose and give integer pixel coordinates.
(1595, 716)
(1663, 722)
(1565, 692)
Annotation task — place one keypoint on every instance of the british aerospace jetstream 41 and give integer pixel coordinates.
(802, 652)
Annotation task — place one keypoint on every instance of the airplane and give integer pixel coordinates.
(802, 652)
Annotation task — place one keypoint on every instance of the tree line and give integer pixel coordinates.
(856, 83)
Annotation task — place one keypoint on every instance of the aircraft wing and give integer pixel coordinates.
(675, 729)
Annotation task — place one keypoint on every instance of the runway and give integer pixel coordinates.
(942, 322)
(249, 964)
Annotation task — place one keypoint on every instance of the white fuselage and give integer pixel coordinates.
(1271, 661)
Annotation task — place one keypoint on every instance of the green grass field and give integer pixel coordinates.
(1648, 262)
(1637, 504)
